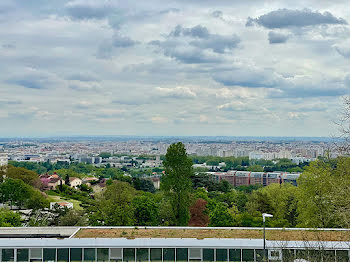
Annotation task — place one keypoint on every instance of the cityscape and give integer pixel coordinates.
(174, 131)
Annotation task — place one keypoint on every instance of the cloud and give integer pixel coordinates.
(185, 53)
(284, 18)
(176, 92)
(4, 102)
(196, 31)
(123, 41)
(83, 77)
(89, 9)
(196, 45)
(217, 14)
(159, 120)
(247, 77)
(237, 106)
(343, 49)
(35, 79)
(204, 40)
(277, 38)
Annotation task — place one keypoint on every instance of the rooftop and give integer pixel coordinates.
(203, 233)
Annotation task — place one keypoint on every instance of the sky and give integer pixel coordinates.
(175, 67)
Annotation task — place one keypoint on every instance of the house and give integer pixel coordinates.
(75, 182)
(89, 180)
(50, 182)
(61, 204)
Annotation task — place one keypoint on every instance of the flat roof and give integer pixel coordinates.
(218, 233)
(165, 243)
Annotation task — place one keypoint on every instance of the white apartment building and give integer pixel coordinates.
(3, 159)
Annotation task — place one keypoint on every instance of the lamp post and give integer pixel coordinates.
(264, 215)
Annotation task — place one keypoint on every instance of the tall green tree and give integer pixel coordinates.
(176, 181)
(114, 207)
(146, 210)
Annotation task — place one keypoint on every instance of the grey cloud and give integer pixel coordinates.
(189, 55)
(347, 81)
(34, 79)
(343, 50)
(277, 38)
(284, 18)
(79, 9)
(253, 78)
(193, 45)
(196, 31)
(123, 41)
(9, 102)
(84, 77)
(217, 14)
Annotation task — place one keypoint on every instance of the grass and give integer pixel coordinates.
(76, 203)
(283, 235)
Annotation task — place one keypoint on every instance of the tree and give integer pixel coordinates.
(221, 217)
(177, 181)
(316, 206)
(199, 216)
(73, 218)
(105, 155)
(27, 176)
(9, 218)
(114, 207)
(18, 193)
(146, 210)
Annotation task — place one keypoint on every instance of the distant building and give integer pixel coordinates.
(3, 159)
(61, 204)
(75, 182)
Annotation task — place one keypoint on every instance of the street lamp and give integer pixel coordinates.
(264, 215)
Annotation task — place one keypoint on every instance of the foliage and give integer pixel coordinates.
(105, 155)
(27, 176)
(16, 192)
(146, 210)
(143, 184)
(9, 218)
(73, 218)
(177, 181)
(221, 217)
(114, 207)
(199, 214)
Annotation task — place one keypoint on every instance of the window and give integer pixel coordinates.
(102, 254)
(75, 254)
(342, 255)
(62, 254)
(275, 254)
(182, 254)
(169, 254)
(288, 254)
(22, 255)
(235, 255)
(221, 255)
(36, 254)
(89, 254)
(248, 255)
(301, 254)
(116, 255)
(259, 255)
(156, 254)
(49, 254)
(8, 255)
(208, 255)
(195, 254)
(142, 255)
(129, 254)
